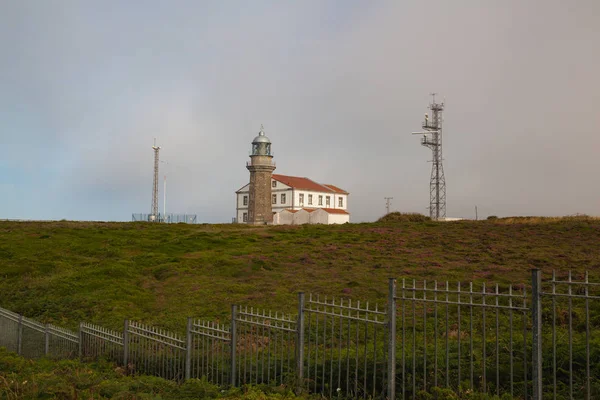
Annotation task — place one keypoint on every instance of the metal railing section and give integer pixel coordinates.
(265, 343)
(456, 336)
(526, 343)
(345, 348)
(96, 342)
(572, 360)
(153, 351)
(210, 356)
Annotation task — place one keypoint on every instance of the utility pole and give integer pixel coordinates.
(154, 211)
(432, 139)
(387, 204)
(476, 216)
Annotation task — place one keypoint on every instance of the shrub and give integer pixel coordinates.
(404, 217)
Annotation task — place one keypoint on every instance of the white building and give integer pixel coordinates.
(297, 200)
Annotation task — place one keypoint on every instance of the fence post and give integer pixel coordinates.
(20, 336)
(80, 349)
(391, 310)
(126, 345)
(300, 343)
(188, 349)
(46, 340)
(233, 343)
(536, 312)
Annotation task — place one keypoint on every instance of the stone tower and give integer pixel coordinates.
(261, 167)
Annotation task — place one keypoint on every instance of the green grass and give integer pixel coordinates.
(66, 272)
(67, 379)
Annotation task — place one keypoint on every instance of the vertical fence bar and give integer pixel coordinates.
(536, 329)
(484, 340)
(126, 345)
(391, 372)
(403, 341)
(300, 343)
(188, 349)
(570, 338)
(80, 341)
(435, 333)
(554, 334)
(458, 358)
(425, 335)
(46, 340)
(20, 335)
(587, 337)
(233, 343)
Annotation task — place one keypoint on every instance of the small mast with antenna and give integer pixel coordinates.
(154, 216)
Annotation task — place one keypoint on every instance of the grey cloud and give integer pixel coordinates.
(338, 85)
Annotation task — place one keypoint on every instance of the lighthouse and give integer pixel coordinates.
(261, 167)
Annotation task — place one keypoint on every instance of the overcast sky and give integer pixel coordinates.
(85, 86)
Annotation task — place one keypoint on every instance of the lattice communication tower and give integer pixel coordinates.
(154, 212)
(432, 139)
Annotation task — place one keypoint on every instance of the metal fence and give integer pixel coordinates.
(168, 218)
(525, 341)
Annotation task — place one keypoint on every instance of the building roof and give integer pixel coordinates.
(336, 189)
(306, 184)
(327, 210)
(334, 211)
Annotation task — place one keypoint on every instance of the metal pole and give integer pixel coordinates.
(536, 310)
(20, 336)
(188, 349)
(300, 342)
(46, 340)
(233, 343)
(80, 343)
(391, 389)
(126, 344)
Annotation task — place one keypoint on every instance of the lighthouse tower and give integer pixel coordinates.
(261, 167)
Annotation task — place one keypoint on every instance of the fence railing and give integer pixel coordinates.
(527, 341)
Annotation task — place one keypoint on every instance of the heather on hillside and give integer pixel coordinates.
(66, 272)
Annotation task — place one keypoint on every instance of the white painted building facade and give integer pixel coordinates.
(293, 194)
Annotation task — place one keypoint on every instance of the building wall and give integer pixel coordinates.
(301, 217)
(339, 218)
(319, 217)
(259, 204)
(285, 218)
(292, 201)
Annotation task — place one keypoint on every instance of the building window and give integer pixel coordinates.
(273, 183)
(245, 217)
(328, 201)
(274, 199)
(283, 198)
(301, 198)
(310, 199)
(320, 200)
(245, 200)
(341, 202)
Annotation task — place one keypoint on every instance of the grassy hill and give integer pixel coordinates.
(65, 272)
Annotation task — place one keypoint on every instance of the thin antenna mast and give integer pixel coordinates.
(154, 211)
(432, 139)
(387, 204)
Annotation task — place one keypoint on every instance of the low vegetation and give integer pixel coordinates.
(68, 379)
(66, 272)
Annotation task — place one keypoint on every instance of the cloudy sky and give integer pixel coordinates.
(85, 86)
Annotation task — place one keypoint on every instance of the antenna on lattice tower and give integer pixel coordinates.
(387, 204)
(432, 139)
(154, 211)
